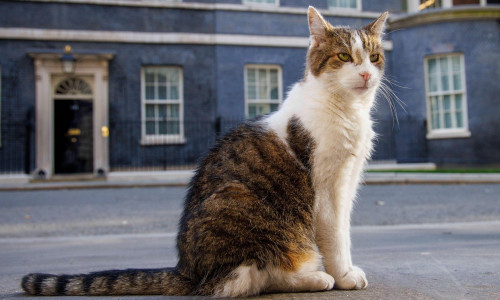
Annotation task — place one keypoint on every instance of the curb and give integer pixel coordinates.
(182, 178)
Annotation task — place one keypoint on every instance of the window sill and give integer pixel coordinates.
(163, 140)
(448, 134)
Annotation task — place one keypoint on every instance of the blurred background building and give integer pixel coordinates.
(93, 86)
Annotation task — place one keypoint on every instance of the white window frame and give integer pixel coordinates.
(454, 132)
(357, 8)
(156, 139)
(257, 3)
(263, 101)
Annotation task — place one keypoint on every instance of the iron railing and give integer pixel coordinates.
(129, 151)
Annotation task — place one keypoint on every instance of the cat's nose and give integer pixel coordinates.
(365, 75)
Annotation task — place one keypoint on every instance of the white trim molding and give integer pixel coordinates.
(157, 38)
(178, 4)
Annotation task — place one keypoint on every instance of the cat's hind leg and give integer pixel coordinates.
(249, 280)
(306, 277)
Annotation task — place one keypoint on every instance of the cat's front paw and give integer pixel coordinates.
(355, 279)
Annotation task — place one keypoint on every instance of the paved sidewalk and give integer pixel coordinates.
(427, 261)
(182, 177)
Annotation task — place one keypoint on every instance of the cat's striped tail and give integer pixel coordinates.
(113, 282)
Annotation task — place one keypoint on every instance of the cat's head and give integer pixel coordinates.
(348, 60)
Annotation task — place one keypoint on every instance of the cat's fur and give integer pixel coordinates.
(272, 200)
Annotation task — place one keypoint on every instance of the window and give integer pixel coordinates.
(425, 4)
(446, 96)
(262, 89)
(351, 4)
(162, 105)
(264, 2)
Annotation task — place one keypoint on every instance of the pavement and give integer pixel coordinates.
(426, 261)
(426, 240)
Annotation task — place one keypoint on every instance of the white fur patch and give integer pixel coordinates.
(248, 281)
(357, 45)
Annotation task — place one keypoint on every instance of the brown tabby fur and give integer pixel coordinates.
(246, 196)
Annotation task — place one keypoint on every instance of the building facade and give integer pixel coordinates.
(92, 86)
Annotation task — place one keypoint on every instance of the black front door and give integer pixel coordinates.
(73, 138)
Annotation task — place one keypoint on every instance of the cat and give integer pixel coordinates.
(269, 207)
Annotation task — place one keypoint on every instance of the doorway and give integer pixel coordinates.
(71, 114)
(73, 136)
(73, 126)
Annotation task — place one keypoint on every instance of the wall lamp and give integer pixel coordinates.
(68, 61)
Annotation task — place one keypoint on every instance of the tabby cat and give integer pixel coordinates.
(270, 205)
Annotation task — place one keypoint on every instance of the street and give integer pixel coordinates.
(413, 241)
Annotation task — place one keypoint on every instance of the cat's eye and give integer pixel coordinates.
(374, 58)
(344, 57)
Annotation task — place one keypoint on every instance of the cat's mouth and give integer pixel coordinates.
(361, 89)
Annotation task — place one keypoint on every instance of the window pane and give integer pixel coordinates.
(262, 84)
(162, 111)
(458, 102)
(455, 61)
(274, 94)
(434, 105)
(150, 92)
(447, 103)
(332, 3)
(252, 110)
(150, 76)
(150, 111)
(173, 127)
(443, 65)
(424, 4)
(262, 74)
(162, 92)
(353, 3)
(444, 83)
(162, 127)
(447, 120)
(252, 92)
(174, 111)
(162, 76)
(273, 76)
(433, 84)
(435, 121)
(432, 67)
(459, 119)
(274, 107)
(150, 127)
(173, 76)
(457, 82)
(250, 76)
(174, 93)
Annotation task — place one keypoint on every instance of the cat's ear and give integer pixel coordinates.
(377, 26)
(317, 27)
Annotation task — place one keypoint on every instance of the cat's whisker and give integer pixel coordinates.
(391, 98)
